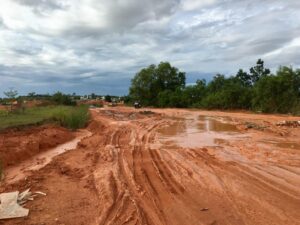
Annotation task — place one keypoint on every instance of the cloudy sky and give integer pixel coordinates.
(86, 46)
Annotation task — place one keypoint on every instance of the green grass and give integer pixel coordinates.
(72, 117)
(67, 116)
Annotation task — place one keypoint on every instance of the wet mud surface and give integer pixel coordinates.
(199, 131)
(171, 167)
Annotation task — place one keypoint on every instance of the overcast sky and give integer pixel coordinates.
(86, 46)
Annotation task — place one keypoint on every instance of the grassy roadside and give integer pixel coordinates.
(68, 116)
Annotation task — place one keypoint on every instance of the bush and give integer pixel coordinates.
(175, 98)
(278, 93)
(72, 117)
(62, 99)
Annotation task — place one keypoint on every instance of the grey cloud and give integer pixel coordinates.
(83, 54)
(123, 16)
(131, 12)
(26, 47)
(40, 6)
(288, 57)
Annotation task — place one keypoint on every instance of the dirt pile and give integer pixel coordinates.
(19, 145)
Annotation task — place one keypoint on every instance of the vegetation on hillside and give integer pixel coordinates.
(258, 89)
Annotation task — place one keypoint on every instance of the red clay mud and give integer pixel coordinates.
(133, 170)
(17, 146)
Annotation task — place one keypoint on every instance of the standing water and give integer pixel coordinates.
(193, 132)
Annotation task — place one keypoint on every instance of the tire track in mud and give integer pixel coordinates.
(261, 183)
(123, 201)
(137, 188)
(144, 183)
(151, 176)
(203, 181)
(134, 178)
(140, 183)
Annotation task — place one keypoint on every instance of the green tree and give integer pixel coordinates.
(150, 81)
(62, 99)
(31, 94)
(217, 83)
(258, 71)
(177, 98)
(93, 96)
(194, 94)
(227, 93)
(164, 86)
(107, 98)
(244, 78)
(11, 93)
(278, 93)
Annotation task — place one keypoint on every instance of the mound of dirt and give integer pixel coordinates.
(16, 146)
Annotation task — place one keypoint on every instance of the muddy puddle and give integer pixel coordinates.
(39, 161)
(199, 131)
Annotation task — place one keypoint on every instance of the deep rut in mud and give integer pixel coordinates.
(138, 178)
(142, 182)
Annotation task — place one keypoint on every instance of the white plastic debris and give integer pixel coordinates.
(9, 207)
(40, 193)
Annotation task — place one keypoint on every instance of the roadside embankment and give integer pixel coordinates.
(16, 146)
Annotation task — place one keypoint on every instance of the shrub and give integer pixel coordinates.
(72, 117)
(62, 99)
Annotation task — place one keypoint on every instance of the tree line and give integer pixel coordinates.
(257, 89)
(58, 98)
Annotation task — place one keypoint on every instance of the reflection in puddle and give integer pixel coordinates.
(210, 124)
(198, 132)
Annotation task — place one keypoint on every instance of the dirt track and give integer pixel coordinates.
(172, 167)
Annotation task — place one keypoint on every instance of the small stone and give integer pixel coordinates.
(204, 209)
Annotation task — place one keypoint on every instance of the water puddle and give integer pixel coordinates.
(193, 132)
(208, 124)
(41, 160)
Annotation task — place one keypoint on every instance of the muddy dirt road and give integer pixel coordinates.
(171, 167)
